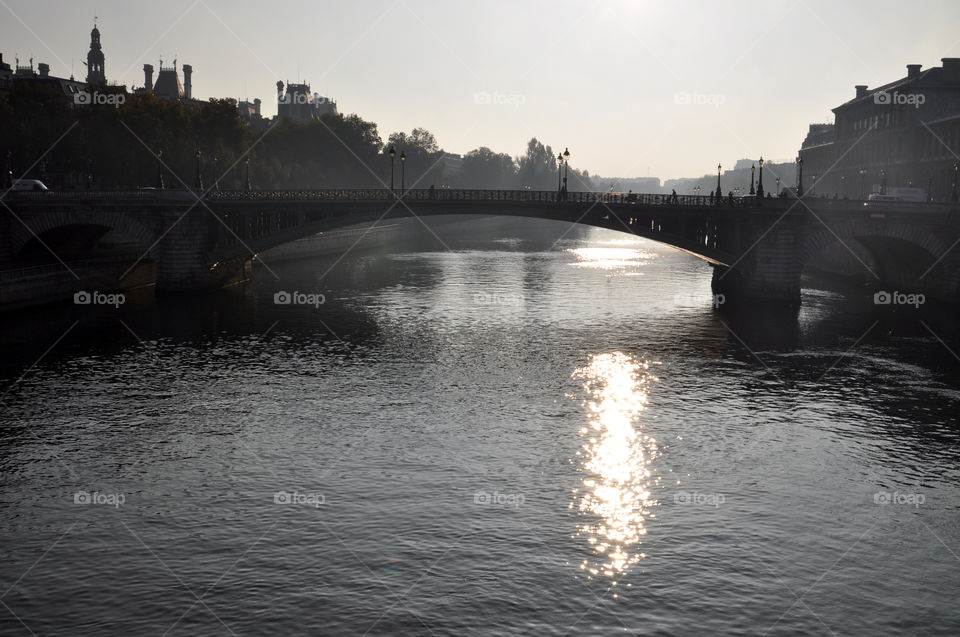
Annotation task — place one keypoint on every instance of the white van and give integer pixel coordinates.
(30, 184)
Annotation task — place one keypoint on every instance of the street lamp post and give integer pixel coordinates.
(760, 182)
(403, 171)
(752, 190)
(778, 186)
(800, 177)
(246, 185)
(199, 183)
(883, 181)
(393, 153)
(953, 196)
(159, 170)
(566, 170)
(863, 171)
(719, 191)
(560, 175)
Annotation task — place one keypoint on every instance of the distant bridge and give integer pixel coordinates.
(759, 247)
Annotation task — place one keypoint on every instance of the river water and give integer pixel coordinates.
(536, 431)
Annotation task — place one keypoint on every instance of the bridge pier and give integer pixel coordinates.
(184, 255)
(768, 273)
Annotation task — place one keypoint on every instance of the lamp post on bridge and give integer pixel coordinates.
(403, 172)
(719, 191)
(863, 171)
(8, 172)
(778, 186)
(752, 189)
(800, 177)
(246, 185)
(760, 183)
(843, 186)
(393, 153)
(953, 196)
(560, 175)
(159, 170)
(566, 170)
(199, 183)
(883, 181)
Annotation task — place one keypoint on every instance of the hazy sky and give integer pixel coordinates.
(608, 79)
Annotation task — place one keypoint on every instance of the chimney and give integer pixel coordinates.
(148, 77)
(861, 89)
(187, 83)
(913, 70)
(256, 106)
(44, 69)
(951, 70)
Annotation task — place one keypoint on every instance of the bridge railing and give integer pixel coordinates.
(145, 195)
(445, 194)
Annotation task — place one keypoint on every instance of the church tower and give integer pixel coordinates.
(95, 72)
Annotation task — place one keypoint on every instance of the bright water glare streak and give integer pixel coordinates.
(610, 258)
(615, 498)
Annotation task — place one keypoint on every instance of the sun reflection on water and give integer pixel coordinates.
(614, 500)
(611, 258)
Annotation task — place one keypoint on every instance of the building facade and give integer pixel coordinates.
(298, 104)
(74, 89)
(902, 134)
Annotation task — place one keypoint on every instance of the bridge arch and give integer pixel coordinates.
(901, 254)
(72, 233)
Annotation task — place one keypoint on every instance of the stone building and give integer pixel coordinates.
(298, 104)
(903, 134)
(168, 86)
(41, 76)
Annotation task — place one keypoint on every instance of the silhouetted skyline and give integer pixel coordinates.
(632, 88)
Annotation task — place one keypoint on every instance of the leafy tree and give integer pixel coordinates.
(538, 167)
(422, 165)
(483, 168)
